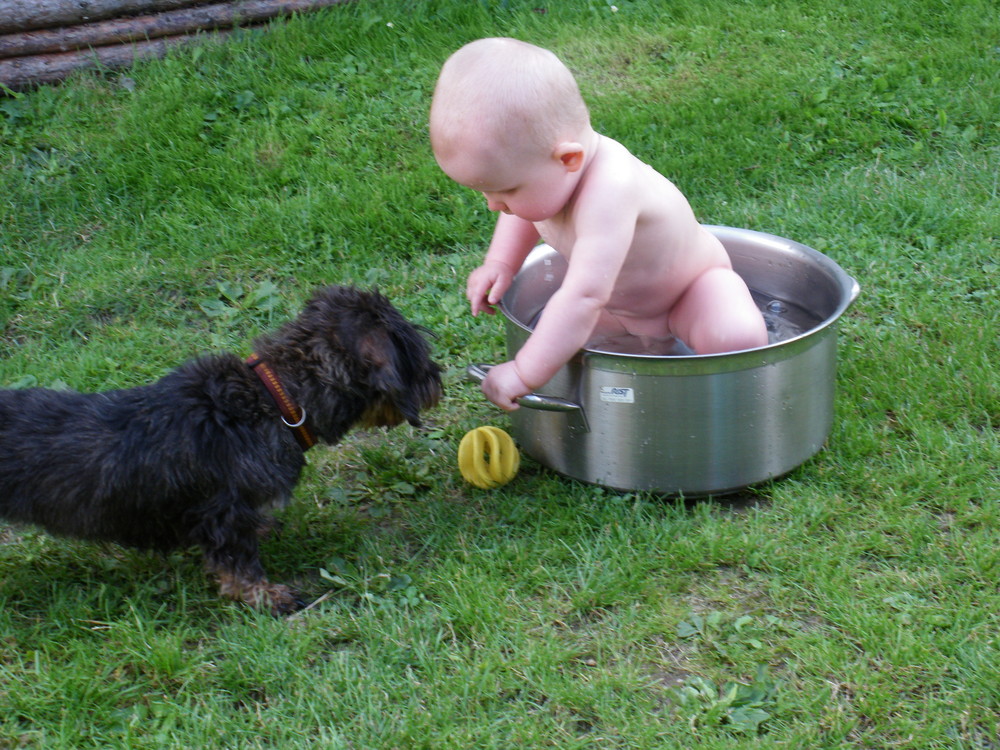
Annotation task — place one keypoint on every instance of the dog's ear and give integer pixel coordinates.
(374, 348)
(379, 350)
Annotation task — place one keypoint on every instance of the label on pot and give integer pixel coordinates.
(614, 395)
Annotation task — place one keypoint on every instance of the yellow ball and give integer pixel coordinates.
(487, 457)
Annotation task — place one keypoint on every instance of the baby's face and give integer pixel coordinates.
(530, 186)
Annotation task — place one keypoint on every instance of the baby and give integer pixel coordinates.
(507, 120)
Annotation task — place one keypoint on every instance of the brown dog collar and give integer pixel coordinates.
(291, 415)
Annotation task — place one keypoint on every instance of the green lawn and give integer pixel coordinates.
(189, 203)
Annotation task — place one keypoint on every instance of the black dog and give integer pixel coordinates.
(198, 457)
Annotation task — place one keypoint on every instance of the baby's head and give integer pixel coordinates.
(504, 100)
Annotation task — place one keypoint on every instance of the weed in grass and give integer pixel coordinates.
(384, 590)
(736, 706)
(233, 299)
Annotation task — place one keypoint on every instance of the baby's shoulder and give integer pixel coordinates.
(615, 170)
(611, 154)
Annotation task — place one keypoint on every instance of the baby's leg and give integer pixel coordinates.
(717, 314)
(609, 334)
(635, 336)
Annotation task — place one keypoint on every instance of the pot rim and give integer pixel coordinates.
(849, 290)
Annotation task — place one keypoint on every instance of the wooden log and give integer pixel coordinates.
(140, 28)
(22, 73)
(27, 15)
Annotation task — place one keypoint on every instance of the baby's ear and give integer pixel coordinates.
(570, 154)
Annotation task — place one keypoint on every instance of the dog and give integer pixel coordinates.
(200, 457)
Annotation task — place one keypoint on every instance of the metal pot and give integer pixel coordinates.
(690, 424)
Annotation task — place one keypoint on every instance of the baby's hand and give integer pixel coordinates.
(487, 284)
(503, 386)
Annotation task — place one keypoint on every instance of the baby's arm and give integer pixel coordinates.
(567, 321)
(564, 327)
(512, 240)
(572, 312)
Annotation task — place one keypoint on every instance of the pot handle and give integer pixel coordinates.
(855, 290)
(478, 372)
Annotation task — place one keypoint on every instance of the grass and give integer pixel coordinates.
(191, 202)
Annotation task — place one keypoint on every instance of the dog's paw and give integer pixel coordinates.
(276, 598)
(284, 600)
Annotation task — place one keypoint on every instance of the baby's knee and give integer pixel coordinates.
(736, 334)
(724, 316)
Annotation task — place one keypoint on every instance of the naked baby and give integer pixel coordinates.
(507, 120)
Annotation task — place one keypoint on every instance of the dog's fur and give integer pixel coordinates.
(199, 457)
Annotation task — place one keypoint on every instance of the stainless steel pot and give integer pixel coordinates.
(691, 424)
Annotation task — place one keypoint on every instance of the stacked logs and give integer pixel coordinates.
(44, 41)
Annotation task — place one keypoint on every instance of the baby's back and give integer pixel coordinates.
(669, 248)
